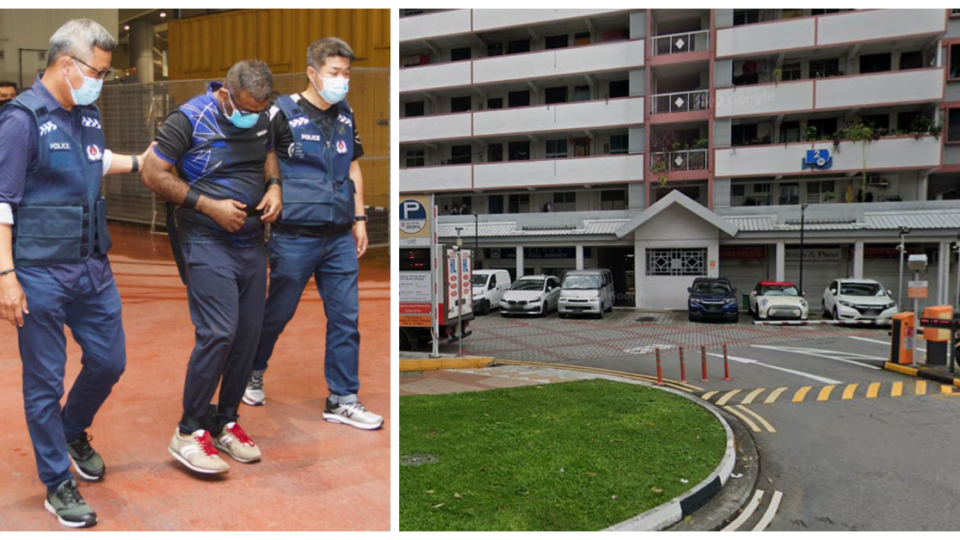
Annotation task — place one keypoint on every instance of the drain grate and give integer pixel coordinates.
(645, 319)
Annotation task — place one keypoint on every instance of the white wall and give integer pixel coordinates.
(432, 25)
(32, 28)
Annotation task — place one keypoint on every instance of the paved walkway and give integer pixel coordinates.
(477, 380)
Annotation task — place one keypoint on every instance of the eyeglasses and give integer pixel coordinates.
(100, 74)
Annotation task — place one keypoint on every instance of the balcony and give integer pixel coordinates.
(894, 153)
(680, 160)
(852, 91)
(679, 102)
(434, 25)
(592, 170)
(434, 76)
(684, 42)
(845, 28)
(495, 19)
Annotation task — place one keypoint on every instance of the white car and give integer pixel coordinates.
(537, 295)
(488, 289)
(858, 300)
(776, 299)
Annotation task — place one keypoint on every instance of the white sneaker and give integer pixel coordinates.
(197, 453)
(237, 444)
(255, 396)
(352, 414)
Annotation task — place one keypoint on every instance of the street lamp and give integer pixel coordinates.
(803, 219)
(903, 232)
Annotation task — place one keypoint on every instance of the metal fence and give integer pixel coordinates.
(681, 43)
(132, 113)
(680, 160)
(698, 100)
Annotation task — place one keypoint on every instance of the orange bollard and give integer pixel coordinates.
(659, 370)
(703, 362)
(683, 369)
(726, 364)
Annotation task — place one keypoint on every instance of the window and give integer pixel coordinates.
(619, 89)
(518, 150)
(462, 53)
(737, 190)
(746, 16)
(790, 132)
(460, 154)
(823, 11)
(743, 134)
(821, 191)
(677, 262)
(520, 98)
(460, 104)
(581, 93)
(495, 204)
(495, 49)
(519, 204)
(613, 199)
(820, 69)
(875, 63)
(790, 72)
(911, 60)
(557, 42)
(556, 95)
(518, 46)
(955, 61)
(789, 194)
(495, 153)
(877, 121)
(905, 120)
(824, 127)
(565, 201)
(619, 144)
(495, 103)
(953, 125)
(415, 108)
(557, 149)
(582, 38)
(415, 158)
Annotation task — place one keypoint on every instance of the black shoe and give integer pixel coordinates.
(69, 507)
(85, 459)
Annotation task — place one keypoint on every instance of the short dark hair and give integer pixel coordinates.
(321, 49)
(4, 84)
(254, 76)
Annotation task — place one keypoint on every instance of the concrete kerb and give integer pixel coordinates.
(923, 373)
(433, 364)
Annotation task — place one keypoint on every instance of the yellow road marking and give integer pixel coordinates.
(751, 396)
(775, 394)
(708, 395)
(744, 418)
(726, 397)
(946, 389)
(761, 419)
(801, 393)
(921, 388)
(872, 390)
(897, 389)
(849, 391)
(825, 393)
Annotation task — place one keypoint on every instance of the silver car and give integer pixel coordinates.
(533, 295)
(586, 291)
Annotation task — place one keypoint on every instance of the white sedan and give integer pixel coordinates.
(531, 295)
(774, 299)
(858, 300)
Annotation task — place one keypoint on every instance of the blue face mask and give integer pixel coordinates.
(334, 89)
(242, 120)
(89, 91)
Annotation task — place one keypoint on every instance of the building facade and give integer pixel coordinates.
(669, 144)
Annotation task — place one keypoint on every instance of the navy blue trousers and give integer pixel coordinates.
(227, 287)
(95, 321)
(332, 261)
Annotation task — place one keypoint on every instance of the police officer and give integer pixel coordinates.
(322, 231)
(220, 144)
(53, 265)
(8, 91)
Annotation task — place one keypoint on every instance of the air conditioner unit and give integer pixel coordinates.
(875, 180)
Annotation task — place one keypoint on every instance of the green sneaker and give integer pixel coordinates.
(85, 459)
(69, 507)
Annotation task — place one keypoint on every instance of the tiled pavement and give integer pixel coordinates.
(476, 380)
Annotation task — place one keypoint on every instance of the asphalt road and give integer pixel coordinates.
(875, 456)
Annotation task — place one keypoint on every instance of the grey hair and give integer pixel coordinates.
(254, 76)
(78, 38)
(321, 49)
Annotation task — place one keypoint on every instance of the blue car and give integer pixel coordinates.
(712, 298)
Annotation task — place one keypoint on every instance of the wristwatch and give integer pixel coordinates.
(273, 182)
(360, 218)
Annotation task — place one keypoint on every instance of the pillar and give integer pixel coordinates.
(141, 49)
(781, 258)
(858, 260)
(943, 271)
(579, 257)
(519, 262)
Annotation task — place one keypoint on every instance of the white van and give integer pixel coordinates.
(488, 289)
(586, 291)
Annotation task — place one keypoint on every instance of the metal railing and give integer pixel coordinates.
(132, 113)
(683, 42)
(697, 100)
(680, 160)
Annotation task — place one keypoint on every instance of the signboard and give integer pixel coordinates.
(416, 314)
(817, 159)
(416, 220)
(814, 255)
(414, 287)
(749, 253)
(917, 289)
(453, 277)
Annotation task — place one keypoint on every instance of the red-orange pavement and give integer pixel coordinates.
(314, 475)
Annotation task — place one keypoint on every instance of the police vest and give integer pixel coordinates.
(317, 189)
(62, 219)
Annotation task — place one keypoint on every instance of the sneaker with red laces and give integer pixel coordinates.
(196, 451)
(237, 444)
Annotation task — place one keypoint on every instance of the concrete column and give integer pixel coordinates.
(858, 260)
(781, 257)
(141, 49)
(579, 257)
(639, 272)
(519, 262)
(943, 278)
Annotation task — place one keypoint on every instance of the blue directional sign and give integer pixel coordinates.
(818, 159)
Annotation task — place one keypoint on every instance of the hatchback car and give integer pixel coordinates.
(858, 300)
(778, 300)
(531, 295)
(712, 298)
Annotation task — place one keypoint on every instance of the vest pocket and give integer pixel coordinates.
(49, 234)
(315, 201)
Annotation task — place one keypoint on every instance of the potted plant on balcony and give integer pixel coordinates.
(858, 132)
(811, 134)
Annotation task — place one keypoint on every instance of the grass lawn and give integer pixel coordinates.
(580, 455)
